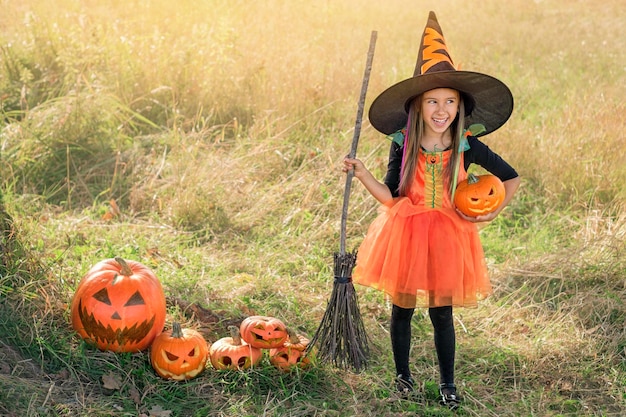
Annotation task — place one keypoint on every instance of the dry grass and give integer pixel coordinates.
(218, 128)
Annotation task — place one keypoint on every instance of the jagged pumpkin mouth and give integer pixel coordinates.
(100, 333)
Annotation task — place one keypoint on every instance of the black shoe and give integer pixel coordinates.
(448, 396)
(404, 385)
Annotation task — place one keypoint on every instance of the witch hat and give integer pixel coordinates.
(488, 101)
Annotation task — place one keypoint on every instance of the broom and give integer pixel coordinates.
(341, 334)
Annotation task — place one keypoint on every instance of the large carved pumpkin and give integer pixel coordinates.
(119, 306)
(179, 353)
(479, 194)
(292, 354)
(233, 353)
(263, 332)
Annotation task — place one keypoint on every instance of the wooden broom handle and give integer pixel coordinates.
(355, 140)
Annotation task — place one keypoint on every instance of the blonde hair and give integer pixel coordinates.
(413, 143)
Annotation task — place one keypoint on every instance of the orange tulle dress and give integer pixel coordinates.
(419, 251)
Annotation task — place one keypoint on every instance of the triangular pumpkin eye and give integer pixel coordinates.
(171, 356)
(103, 296)
(193, 352)
(135, 300)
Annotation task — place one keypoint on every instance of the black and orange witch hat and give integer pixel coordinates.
(488, 101)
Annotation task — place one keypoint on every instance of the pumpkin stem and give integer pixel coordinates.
(293, 336)
(236, 336)
(177, 331)
(472, 179)
(126, 270)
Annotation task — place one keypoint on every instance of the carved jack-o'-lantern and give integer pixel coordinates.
(179, 353)
(433, 158)
(479, 194)
(119, 306)
(292, 354)
(233, 353)
(263, 332)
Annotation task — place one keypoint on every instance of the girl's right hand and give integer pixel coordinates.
(377, 189)
(354, 164)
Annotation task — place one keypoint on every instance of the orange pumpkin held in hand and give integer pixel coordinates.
(179, 354)
(263, 332)
(292, 354)
(479, 195)
(119, 306)
(233, 353)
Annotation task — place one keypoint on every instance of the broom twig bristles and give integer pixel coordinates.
(341, 334)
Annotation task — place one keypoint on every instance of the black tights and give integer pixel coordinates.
(445, 341)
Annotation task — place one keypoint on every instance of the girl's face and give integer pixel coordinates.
(439, 109)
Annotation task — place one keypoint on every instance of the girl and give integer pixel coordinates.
(420, 250)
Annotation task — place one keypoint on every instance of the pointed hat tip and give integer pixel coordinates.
(432, 21)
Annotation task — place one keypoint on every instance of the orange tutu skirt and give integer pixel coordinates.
(423, 257)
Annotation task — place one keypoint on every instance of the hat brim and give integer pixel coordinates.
(492, 99)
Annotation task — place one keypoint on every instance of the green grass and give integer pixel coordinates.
(221, 144)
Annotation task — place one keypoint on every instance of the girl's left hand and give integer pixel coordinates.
(478, 219)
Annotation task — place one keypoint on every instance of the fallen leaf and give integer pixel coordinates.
(63, 374)
(157, 411)
(134, 395)
(5, 368)
(111, 381)
(115, 208)
(114, 211)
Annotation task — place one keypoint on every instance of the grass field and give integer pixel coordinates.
(218, 129)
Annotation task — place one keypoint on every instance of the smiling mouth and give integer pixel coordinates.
(106, 334)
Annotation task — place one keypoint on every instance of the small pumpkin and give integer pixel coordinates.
(263, 332)
(179, 353)
(292, 354)
(119, 306)
(479, 194)
(233, 352)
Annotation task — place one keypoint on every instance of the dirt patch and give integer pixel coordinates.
(13, 363)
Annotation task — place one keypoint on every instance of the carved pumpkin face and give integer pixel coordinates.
(263, 332)
(433, 158)
(119, 306)
(233, 353)
(179, 354)
(478, 195)
(292, 354)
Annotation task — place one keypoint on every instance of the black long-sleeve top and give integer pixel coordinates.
(478, 153)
